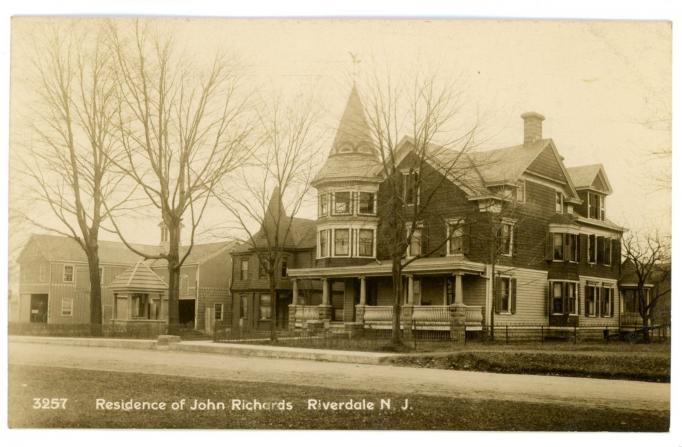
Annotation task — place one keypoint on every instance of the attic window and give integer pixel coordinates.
(68, 273)
(559, 203)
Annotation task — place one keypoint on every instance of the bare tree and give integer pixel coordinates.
(427, 111)
(70, 161)
(647, 256)
(280, 171)
(182, 129)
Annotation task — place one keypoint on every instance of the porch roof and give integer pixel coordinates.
(138, 278)
(448, 264)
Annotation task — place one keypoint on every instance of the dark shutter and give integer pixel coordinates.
(498, 295)
(600, 250)
(582, 251)
(549, 249)
(512, 293)
(466, 239)
(567, 247)
(615, 254)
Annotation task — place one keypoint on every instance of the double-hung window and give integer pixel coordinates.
(218, 311)
(571, 294)
(411, 188)
(67, 307)
(68, 273)
(455, 236)
(323, 200)
(606, 302)
(506, 238)
(341, 242)
(591, 300)
(559, 202)
(324, 243)
(264, 307)
(366, 203)
(244, 269)
(366, 242)
(342, 203)
(558, 246)
(414, 247)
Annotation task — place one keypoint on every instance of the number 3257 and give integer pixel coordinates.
(45, 403)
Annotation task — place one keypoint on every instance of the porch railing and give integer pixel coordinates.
(474, 315)
(431, 314)
(378, 313)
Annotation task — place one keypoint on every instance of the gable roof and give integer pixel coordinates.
(62, 248)
(585, 177)
(138, 277)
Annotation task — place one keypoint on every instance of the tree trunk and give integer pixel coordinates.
(273, 306)
(397, 298)
(173, 279)
(95, 291)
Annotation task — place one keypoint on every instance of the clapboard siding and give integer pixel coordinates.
(531, 296)
(474, 290)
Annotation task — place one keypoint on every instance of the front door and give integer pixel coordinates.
(39, 308)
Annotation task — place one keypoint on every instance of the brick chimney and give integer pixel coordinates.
(532, 127)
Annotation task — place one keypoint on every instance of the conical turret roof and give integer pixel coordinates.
(352, 154)
(353, 134)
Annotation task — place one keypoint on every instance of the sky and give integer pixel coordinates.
(604, 87)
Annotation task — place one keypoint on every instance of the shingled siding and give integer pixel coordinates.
(547, 165)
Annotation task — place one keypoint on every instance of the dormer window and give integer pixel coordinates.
(342, 203)
(595, 206)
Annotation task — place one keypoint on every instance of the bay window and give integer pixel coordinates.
(558, 246)
(606, 302)
(324, 244)
(323, 200)
(591, 300)
(557, 298)
(366, 242)
(563, 297)
(366, 203)
(341, 242)
(342, 203)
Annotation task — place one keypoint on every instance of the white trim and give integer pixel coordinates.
(333, 245)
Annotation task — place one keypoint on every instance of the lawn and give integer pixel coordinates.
(82, 388)
(609, 361)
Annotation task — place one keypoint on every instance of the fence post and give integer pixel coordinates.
(542, 334)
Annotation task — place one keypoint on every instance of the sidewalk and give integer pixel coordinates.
(209, 347)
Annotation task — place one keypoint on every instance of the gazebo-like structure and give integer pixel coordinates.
(140, 302)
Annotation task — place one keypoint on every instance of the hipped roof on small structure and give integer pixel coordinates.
(139, 278)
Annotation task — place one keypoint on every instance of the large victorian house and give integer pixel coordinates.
(558, 255)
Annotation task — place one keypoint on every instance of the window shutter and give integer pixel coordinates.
(598, 301)
(466, 238)
(566, 253)
(549, 249)
(615, 254)
(600, 250)
(582, 250)
(512, 292)
(498, 295)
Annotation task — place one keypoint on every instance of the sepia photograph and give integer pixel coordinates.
(340, 224)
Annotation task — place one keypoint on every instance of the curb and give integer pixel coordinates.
(241, 350)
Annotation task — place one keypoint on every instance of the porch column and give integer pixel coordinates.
(363, 291)
(294, 291)
(410, 289)
(459, 293)
(458, 312)
(325, 291)
(325, 309)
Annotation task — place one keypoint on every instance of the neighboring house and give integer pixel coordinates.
(657, 287)
(54, 284)
(251, 306)
(562, 259)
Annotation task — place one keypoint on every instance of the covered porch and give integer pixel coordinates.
(441, 294)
